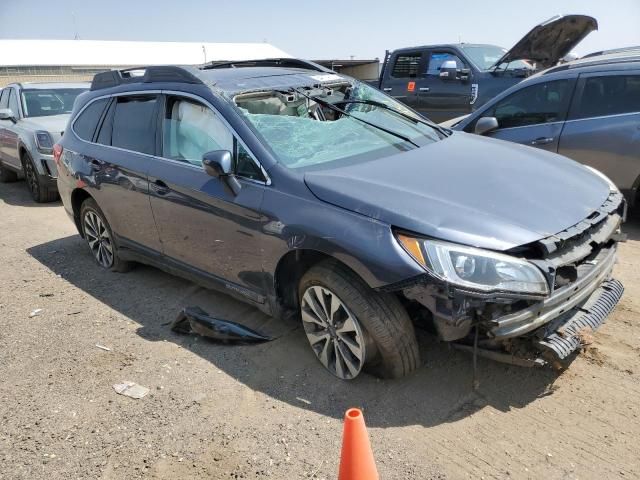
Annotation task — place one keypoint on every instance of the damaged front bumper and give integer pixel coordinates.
(578, 264)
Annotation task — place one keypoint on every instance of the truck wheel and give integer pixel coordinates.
(351, 327)
(40, 192)
(99, 237)
(6, 175)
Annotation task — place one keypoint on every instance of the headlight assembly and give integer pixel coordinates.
(475, 268)
(44, 142)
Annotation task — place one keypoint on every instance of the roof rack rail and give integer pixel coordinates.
(150, 74)
(613, 51)
(267, 62)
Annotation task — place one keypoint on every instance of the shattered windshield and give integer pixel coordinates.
(485, 57)
(303, 132)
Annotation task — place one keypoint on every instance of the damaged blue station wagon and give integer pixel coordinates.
(310, 194)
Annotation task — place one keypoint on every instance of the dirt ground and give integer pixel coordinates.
(270, 410)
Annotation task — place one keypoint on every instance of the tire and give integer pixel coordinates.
(387, 334)
(6, 175)
(39, 190)
(99, 237)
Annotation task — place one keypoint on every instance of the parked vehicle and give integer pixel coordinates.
(446, 81)
(588, 110)
(307, 193)
(32, 118)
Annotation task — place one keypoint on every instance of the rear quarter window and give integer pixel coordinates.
(86, 123)
(406, 65)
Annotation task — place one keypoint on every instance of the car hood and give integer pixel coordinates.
(549, 42)
(467, 189)
(54, 124)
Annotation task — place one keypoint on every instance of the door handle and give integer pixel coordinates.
(386, 89)
(542, 141)
(160, 187)
(423, 89)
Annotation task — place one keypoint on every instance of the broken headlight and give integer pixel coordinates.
(475, 268)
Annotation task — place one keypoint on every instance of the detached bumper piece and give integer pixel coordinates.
(567, 336)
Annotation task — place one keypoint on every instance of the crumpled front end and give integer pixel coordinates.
(577, 263)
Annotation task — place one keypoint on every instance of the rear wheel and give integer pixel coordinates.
(99, 237)
(6, 175)
(40, 191)
(352, 328)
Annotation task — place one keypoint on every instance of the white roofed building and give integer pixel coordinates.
(76, 60)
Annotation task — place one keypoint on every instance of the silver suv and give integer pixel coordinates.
(32, 119)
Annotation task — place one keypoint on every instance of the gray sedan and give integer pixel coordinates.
(588, 110)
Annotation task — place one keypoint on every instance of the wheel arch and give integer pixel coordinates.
(78, 196)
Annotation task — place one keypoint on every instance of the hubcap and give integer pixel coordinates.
(333, 331)
(98, 238)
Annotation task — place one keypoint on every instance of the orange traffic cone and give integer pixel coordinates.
(356, 460)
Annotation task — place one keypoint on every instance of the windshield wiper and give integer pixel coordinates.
(397, 112)
(332, 107)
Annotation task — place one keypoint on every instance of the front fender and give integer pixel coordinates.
(365, 245)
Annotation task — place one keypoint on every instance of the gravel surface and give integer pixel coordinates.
(270, 410)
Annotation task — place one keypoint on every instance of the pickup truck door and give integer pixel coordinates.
(603, 126)
(401, 76)
(441, 99)
(533, 115)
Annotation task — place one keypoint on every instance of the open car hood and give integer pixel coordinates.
(550, 41)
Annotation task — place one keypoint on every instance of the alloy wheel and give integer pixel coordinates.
(334, 332)
(98, 238)
(31, 177)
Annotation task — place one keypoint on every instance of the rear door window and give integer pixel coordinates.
(86, 123)
(406, 65)
(541, 103)
(609, 95)
(134, 121)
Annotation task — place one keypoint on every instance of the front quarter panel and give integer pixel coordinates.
(365, 245)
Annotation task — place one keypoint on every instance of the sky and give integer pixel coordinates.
(312, 29)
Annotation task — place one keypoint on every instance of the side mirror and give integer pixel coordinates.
(449, 70)
(7, 114)
(486, 125)
(219, 164)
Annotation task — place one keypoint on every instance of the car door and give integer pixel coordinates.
(603, 126)
(10, 131)
(203, 225)
(403, 78)
(117, 158)
(4, 103)
(533, 115)
(444, 98)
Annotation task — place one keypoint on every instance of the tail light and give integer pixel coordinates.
(57, 153)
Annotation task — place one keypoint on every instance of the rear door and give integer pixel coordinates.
(118, 158)
(203, 225)
(533, 115)
(442, 99)
(4, 103)
(403, 78)
(603, 128)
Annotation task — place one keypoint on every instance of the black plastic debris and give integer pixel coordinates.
(196, 320)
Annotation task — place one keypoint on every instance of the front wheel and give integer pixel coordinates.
(352, 328)
(99, 237)
(40, 191)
